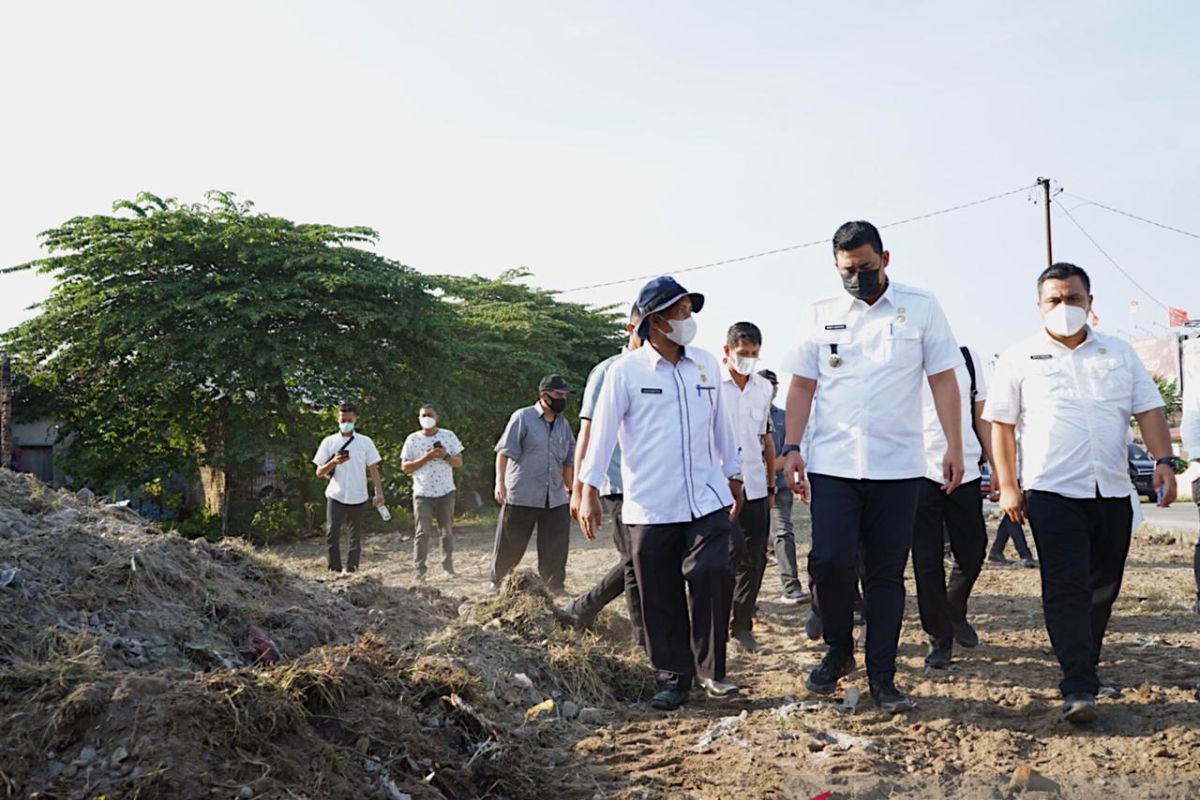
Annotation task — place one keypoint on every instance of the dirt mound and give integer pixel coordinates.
(123, 672)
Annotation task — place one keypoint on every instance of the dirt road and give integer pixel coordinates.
(974, 726)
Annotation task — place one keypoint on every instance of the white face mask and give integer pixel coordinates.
(1065, 320)
(682, 331)
(743, 365)
(346, 427)
(428, 423)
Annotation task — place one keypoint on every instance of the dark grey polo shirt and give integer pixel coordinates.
(536, 455)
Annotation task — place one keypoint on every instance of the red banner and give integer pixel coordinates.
(1178, 317)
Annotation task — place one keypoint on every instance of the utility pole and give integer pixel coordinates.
(1045, 184)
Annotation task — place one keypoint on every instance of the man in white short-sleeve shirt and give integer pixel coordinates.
(957, 515)
(431, 455)
(1069, 392)
(346, 458)
(748, 395)
(870, 350)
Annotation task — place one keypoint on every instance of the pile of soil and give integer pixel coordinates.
(125, 672)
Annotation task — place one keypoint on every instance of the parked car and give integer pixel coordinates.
(1141, 472)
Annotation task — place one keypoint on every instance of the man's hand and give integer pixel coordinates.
(379, 501)
(591, 513)
(1164, 484)
(794, 472)
(1012, 503)
(435, 453)
(994, 494)
(574, 500)
(770, 498)
(952, 470)
(739, 498)
(501, 493)
(342, 457)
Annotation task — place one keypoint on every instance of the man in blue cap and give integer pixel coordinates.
(681, 475)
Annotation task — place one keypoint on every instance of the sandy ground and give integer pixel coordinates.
(974, 727)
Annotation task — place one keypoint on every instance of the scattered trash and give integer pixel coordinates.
(795, 709)
(540, 711)
(568, 710)
(1027, 779)
(391, 789)
(591, 716)
(523, 680)
(843, 742)
(259, 647)
(10, 577)
(725, 727)
(850, 704)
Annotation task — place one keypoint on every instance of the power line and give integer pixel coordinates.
(1104, 253)
(790, 248)
(1133, 216)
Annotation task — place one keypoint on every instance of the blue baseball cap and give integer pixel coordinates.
(659, 295)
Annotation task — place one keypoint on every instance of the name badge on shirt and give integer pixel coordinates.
(835, 327)
(1041, 357)
(652, 391)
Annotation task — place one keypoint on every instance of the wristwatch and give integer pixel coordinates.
(1170, 461)
(789, 448)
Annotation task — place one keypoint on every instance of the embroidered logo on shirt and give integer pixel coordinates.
(651, 391)
(835, 327)
(1041, 356)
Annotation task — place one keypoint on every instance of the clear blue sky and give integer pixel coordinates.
(594, 141)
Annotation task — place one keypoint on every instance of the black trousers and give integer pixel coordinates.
(619, 580)
(335, 514)
(686, 582)
(1082, 546)
(877, 516)
(1009, 529)
(513, 529)
(958, 515)
(1196, 552)
(748, 556)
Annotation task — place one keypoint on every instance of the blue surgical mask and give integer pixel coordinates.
(346, 427)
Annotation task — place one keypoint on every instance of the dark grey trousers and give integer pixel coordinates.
(513, 529)
(784, 533)
(335, 514)
(427, 511)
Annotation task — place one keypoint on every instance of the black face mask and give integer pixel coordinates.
(863, 285)
(556, 404)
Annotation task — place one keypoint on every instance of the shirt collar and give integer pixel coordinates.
(652, 355)
(1091, 338)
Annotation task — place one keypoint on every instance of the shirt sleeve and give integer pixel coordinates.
(510, 441)
(591, 391)
(456, 446)
(408, 451)
(373, 457)
(1004, 397)
(322, 455)
(1146, 396)
(940, 349)
(1191, 420)
(803, 361)
(611, 407)
(723, 437)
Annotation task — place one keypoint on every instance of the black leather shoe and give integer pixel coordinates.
(939, 654)
(890, 699)
(668, 699)
(812, 625)
(834, 666)
(1080, 708)
(964, 634)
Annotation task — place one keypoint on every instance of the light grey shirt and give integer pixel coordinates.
(536, 455)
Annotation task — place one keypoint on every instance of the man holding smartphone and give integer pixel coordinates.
(346, 458)
(431, 455)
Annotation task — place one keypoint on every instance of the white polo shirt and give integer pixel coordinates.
(348, 484)
(1072, 409)
(867, 421)
(935, 437)
(750, 411)
(678, 449)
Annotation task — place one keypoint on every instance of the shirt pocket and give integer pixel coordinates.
(559, 446)
(903, 346)
(1110, 380)
(1050, 379)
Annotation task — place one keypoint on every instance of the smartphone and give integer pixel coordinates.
(437, 445)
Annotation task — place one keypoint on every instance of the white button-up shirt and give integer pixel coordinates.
(678, 448)
(1190, 427)
(935, 436)
(750, 411)
(866, 416)
(1072, 409)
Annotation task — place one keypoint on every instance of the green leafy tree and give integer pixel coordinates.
(180, 335)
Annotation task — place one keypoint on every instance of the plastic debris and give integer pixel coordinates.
(1028, 779)
(540, 711)
(726, 727)
(850, 704)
